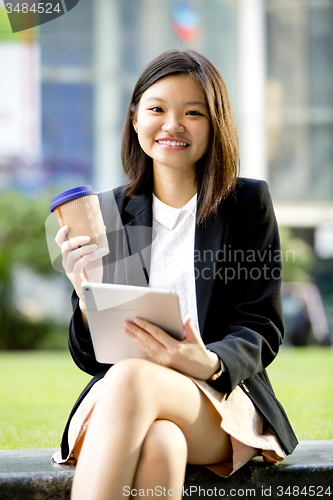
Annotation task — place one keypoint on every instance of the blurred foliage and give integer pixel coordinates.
(22, 242)
(22, 232)
(298, 257)
(323, 276)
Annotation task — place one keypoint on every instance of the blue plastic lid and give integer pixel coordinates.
(71, 194)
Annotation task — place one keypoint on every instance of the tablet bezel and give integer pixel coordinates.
(108, 304)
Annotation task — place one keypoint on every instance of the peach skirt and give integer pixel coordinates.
(240, 420)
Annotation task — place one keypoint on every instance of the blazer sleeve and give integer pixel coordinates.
(254, 330)
(79, 340)
(80, 343)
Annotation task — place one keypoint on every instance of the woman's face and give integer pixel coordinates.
(172, 122)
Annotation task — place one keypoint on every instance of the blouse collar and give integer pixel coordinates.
(168, 216)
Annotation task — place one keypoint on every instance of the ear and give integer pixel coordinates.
(135, 122)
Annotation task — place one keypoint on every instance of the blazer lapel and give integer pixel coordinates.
(137, 240)
(207, 244)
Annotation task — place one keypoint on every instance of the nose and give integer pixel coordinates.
(173, 125)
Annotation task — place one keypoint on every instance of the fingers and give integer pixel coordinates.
(78, 259)
(75, 260)
(189, 330)
(143, 331)
(144, 340)
(160, 335)
(76, 253)
(73, 243)
(191, 334)
(61, 235)
(65, 245)
(187, 321)
(160, 347)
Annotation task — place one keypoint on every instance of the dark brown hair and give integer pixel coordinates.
(217, 171)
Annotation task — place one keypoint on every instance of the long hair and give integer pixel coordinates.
(217, 171)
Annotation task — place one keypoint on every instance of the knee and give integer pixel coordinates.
(129, 384)
(164, 446)
(129, 374)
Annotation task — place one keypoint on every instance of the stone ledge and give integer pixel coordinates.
(30, 475)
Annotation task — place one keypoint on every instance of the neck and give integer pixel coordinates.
(174, 190)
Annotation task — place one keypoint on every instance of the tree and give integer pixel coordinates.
(22, 243)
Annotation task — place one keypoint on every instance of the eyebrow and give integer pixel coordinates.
(190, 103)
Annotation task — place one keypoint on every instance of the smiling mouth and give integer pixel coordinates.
(173, 143)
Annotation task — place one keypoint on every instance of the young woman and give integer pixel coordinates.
(206, 400)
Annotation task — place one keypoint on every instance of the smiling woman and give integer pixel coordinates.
(207, 399)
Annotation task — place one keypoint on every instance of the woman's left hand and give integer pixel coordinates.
(188, 356)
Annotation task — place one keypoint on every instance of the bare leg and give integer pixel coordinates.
(162, 460)
(136, 393)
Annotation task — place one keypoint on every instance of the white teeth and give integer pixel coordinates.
(173, 143)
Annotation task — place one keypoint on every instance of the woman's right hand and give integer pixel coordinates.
(79, 261)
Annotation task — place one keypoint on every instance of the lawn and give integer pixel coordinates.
(38, 390)
(303, 381)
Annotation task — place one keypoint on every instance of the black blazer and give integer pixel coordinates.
(237, 264)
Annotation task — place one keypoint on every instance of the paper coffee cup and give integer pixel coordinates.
(79, 209)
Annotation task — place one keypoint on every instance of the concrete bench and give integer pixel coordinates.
(308, 472)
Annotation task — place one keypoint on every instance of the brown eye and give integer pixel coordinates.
(156, 109)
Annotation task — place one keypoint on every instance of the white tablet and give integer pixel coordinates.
(109, 306)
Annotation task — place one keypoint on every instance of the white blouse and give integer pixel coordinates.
(172, 253)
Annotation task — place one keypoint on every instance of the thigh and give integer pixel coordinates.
(175, 397)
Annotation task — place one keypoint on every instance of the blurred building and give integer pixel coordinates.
(276, 59)
(300, 113)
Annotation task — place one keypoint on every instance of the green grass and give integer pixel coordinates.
(303, 381)
(38, 389)
(37, 392)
